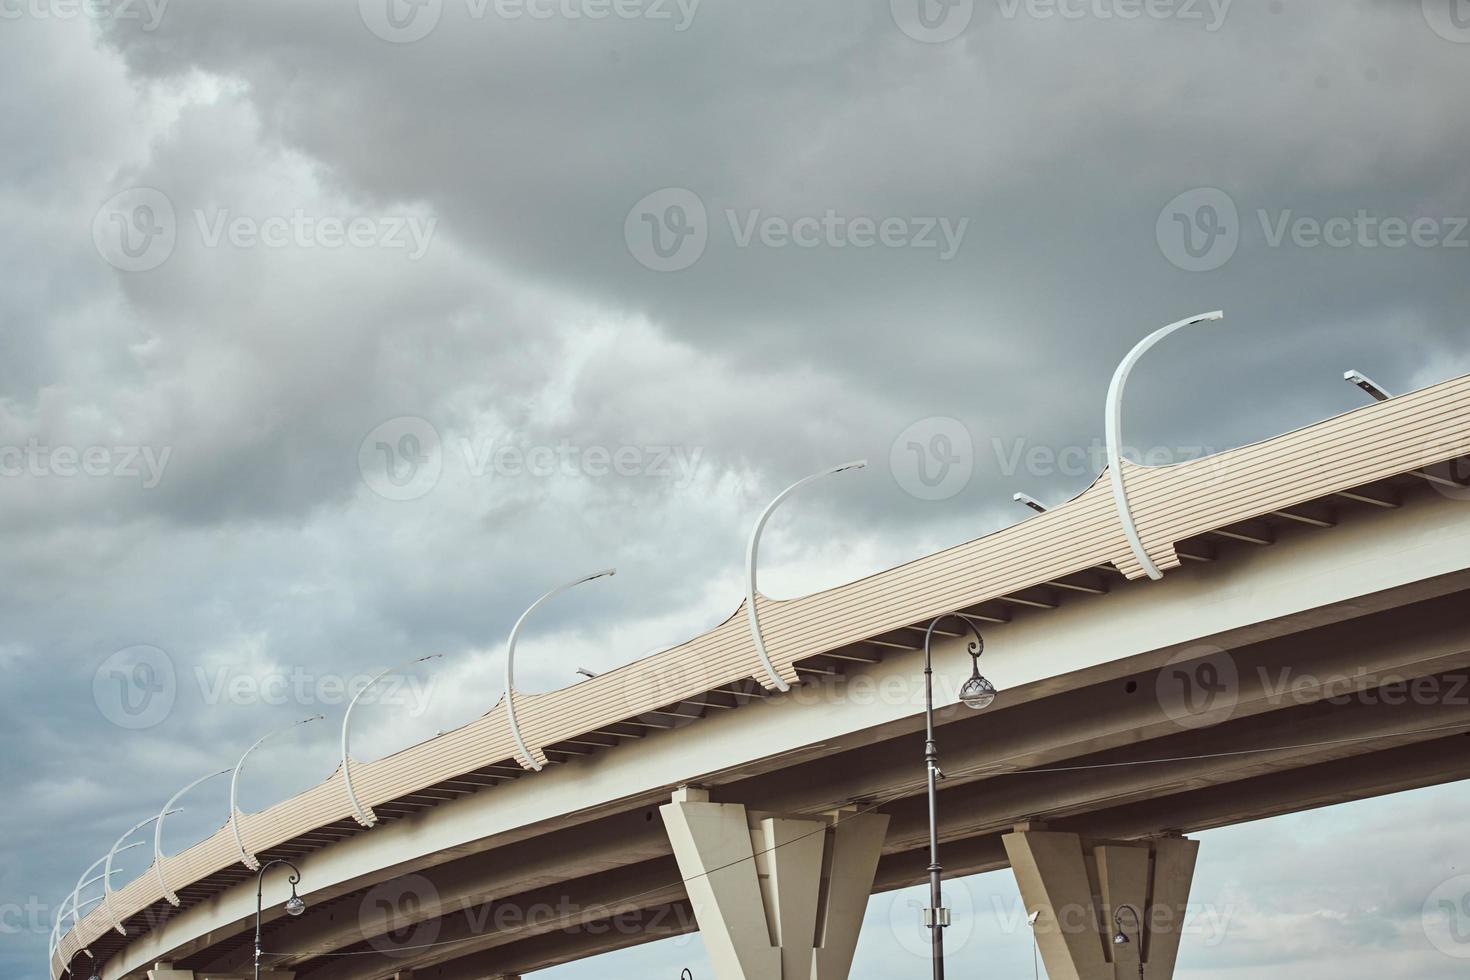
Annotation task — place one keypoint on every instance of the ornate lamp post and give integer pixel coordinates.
(977, 693)
(1120, 938)
(294, 905)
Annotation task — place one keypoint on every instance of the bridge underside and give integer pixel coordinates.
(1346, 702)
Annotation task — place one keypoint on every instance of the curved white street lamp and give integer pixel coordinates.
(365, 815)
(245, 856)
(158, 834)
(510, 659)
(751, 589)
(107, 868)
(1115, 435)
(75, 898)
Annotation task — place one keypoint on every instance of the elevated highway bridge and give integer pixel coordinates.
(1307, 644)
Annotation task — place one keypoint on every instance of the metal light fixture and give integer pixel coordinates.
(1115, 436)
(1120, 938)
(752, 588)
(1373, 388)
(977, 693)
(526, 755)
(294, 905)
(364, 815)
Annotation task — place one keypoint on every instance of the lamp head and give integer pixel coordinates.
(1120, 939)
(977, 692)
(294, 905)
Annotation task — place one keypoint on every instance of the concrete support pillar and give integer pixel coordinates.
(776, 897)
(1077, 887)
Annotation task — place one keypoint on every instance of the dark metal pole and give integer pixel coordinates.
(937, 915)
(931, 763)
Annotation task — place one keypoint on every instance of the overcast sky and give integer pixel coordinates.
(332, 334)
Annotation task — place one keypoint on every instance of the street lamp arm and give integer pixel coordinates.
(365, 815)
(107, 868)
(510, 659)
(158, 834)
(1115, 435)
(752, 590)
(245, 856)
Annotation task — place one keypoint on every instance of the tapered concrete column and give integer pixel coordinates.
(776, 897)
(1078, 888)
